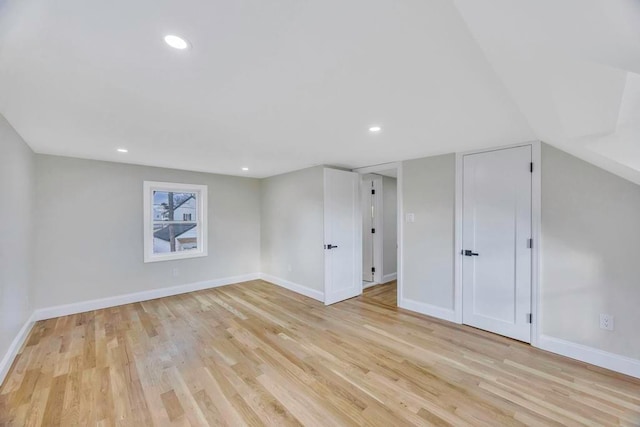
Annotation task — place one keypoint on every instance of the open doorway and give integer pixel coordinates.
(379, 190)
(371, 189)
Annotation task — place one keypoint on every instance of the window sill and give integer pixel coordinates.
(174, 256)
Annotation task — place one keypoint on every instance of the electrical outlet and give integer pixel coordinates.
(175, 272)
(411, 217)
(606, 322)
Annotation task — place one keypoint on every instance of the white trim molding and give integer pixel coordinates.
(536, 235)
(377, 242)
(389, 277)
(97, 304)
(457, 241)
(594, 356)
(378, 224)
(400, 231)
(377, 168)
(201, 191)
(15, 347)
(428, 309)
(294, 287)
(400, 213)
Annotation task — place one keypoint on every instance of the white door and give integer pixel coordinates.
(368, 193)
(342, 235)
(496, 254)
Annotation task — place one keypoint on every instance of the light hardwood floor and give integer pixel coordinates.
(254, 353)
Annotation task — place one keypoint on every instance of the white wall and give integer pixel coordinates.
(590, 258)
(389, 226)
(90, 230)
(428, 187)
(17, 178)
(292, 229)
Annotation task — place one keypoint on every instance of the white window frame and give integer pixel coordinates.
(201, 219)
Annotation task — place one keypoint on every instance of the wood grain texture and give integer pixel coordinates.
(256, 354)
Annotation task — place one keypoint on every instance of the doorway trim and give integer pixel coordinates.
(536, 235)
(377, 238)
(399, 214)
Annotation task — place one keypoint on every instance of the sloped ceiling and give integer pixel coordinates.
(573, 69)
(282, 85)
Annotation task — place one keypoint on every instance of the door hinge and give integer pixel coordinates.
(529, 318)
(373, 269)
(530, 243)
(373, 230)
(531, 167)
(373, 191)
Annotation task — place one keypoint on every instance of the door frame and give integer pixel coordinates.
(378, 242)
(536, 235)
(399, 214)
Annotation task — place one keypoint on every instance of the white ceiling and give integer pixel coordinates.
(571, 66)
(282, 85)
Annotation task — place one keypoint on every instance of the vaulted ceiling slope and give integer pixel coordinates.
(573, 69)
(282, 85)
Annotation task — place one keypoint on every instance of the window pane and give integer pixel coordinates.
(170, 206)
(169, 238)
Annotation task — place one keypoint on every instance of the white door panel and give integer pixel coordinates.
(497, 227)
(343, 235)
(367, 225)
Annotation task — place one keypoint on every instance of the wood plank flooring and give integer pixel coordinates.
(386, 294)
(257, 354)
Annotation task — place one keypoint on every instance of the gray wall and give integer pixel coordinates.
(17, 181)
(292, 213)
(590, 258)
(428, 187)
(389, 225)
(88, 237)
(90, 226)
(590, 232)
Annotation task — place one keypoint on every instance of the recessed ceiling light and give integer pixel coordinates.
(245, 169)
(375, 129)
(176, 42)
(122, 150)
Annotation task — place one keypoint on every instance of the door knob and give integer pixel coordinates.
(467, 252)
(330, 246)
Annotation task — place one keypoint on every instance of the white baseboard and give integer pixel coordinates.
(300, 289)
(97, 304)
(389, 277)
(594, 356)
(369, 284)
(15, 347)
(428, 309)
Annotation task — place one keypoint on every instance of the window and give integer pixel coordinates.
(175, 221)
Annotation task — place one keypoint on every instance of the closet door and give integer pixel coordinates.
(496, 233)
